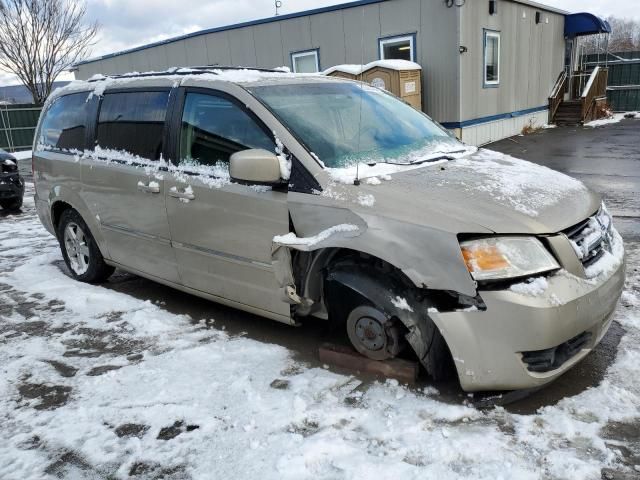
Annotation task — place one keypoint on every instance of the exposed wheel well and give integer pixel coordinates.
(309, 269)
(352, 281)
(56, 212)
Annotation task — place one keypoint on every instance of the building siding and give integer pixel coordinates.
(531, 57)
(348, 35)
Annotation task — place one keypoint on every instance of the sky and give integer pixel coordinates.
(127, 23)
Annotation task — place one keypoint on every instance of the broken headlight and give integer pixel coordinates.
(499, 258)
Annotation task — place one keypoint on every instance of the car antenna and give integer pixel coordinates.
(357, 179)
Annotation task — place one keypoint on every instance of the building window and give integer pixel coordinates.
(305, 62)
(398, 48)
(491, 58)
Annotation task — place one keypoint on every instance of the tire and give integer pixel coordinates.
(439, 358)
(80, 251)
(12, 205)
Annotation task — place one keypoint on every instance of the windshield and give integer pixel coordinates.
(346, 123)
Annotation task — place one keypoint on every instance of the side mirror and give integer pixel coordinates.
(255, 166)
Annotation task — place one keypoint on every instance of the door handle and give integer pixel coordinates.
(151, 187)
(186, 194)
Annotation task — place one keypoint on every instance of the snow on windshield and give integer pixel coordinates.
(373, 166)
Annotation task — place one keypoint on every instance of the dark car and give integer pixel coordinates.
(11, 183)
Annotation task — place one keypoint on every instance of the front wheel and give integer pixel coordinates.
(372, 333)
(80, 251)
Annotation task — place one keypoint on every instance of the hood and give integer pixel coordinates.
(479, 193)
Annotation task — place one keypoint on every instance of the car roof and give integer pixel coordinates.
(239, 75)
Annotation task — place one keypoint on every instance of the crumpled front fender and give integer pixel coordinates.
(429, 257)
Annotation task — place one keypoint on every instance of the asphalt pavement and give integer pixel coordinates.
(607, 159)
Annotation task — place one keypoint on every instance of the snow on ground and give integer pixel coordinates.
(26, 154)
(99, 384)
(615, 118)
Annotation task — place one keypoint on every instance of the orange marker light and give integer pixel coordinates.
(484, 258)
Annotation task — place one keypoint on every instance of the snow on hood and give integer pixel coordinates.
(486, 189)
(527, 187)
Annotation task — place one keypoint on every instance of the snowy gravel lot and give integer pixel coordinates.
(99, 384)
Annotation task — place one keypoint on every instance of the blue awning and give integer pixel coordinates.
(580, 24)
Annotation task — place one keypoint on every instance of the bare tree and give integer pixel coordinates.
(41, 38)
(624, 37)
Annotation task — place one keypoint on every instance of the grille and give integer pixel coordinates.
(591, 237)
(552, 358)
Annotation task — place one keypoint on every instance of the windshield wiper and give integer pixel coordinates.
(445, 156)
(432, 159)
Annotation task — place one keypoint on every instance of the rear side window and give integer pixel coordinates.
(133, 122)
(213, 128)
(64, 123)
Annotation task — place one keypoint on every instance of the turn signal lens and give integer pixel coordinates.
(488, 258)
(506, 257)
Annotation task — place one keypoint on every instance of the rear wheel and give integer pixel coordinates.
(80, 251)
(11, 205)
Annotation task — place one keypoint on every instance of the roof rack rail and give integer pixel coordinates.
(231, 67)
(198, 70)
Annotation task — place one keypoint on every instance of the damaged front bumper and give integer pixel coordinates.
(11, 186)
(524, 341)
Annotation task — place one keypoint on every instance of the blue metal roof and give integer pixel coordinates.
(278, 18)
(580, 24)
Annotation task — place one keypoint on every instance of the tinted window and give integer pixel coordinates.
(133, 122)
(213, 128)
(63, 126)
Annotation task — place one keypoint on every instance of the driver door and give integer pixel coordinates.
(222, 232)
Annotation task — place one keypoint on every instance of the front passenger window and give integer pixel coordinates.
(213, 128)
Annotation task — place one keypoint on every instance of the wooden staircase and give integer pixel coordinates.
(584, 102)
(569, 112)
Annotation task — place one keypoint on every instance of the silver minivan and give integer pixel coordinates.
(295, 196)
